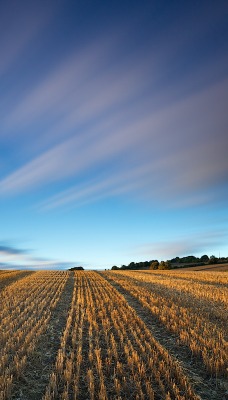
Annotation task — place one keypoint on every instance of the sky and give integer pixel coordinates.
(113, 131)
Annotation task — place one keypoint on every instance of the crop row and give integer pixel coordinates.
(107, 352)
(200, 289)
(182, 295)
(8, 277)
(212, 277)
(204, 338)
(25, 310)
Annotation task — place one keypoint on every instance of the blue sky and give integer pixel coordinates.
(113, 131)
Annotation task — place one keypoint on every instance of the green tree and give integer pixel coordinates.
(76, 269)
(204, 258)
(164, 265)
(213, 260)
(154, 265)
(132, 265)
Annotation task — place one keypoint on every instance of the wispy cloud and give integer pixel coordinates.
(54, 265)
(176, 144)
(15, 258)
(199, 243)
(12, 251)
(149, 134)
(18, 28)
(12, 255)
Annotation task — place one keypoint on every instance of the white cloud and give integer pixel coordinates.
(17, 30)
(197, 243)
(15, 258)
(102, 115)
(174, 150)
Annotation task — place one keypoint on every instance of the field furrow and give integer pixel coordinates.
(204, 384)
(32, 384)
(9, 277)
(204, 338)
(25, 311)
(124, 361)
(112, 335)
(203, 277)
(212, 311)
(197, 288)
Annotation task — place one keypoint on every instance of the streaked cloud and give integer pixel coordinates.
(125, 115)
(12, 255)
(176, 143)
(15, 258)
(12, 251)
(197, 243)
(19, 26)
(57, 265)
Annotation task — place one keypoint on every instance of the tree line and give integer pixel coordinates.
(177, 262)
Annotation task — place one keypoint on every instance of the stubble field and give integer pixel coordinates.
(113, 335)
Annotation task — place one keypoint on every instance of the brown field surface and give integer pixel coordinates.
(113, 335)
(7, 277)
(212, 267)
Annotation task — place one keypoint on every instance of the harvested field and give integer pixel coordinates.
(213, 267)
(114, 335)
(8, 277)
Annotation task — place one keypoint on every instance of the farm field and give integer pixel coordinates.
(210, 267)
(7, 277)
(113, 335)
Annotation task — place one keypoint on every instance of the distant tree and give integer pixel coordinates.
(213, 260)
(114, 268)
(189, 259)
(164, 265)
(154, 265)
(146, 264)
(76, 269)
(204, 258)
(175, 260)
